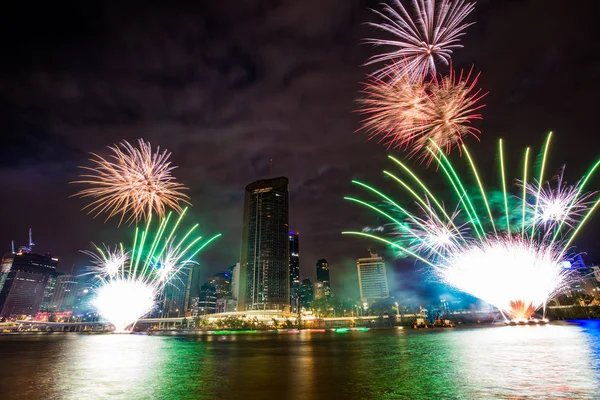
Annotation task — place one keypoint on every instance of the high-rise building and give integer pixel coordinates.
(222, 284)
(318, 290)
(23, 279)
(305, 293)
(177, 294)
(83, 300)
(372, 278)
(235, 280)
(294, 269)
(264, 261)
(48, 292)
(207, 300)
(225, 305)
(323, 276)
(64, 294)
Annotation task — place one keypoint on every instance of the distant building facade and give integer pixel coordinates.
(264, 259)
(235, 281)
(318, 290)
(225, 305)
(305, 293)
(207, 301)
(323, 276)
(23, 280)
(294, 269)
(372, 278)
(64, 294)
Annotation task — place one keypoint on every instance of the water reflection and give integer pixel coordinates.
(505, 362)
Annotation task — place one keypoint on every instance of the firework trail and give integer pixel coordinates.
(512, 264)
(128, 283)
(405, 114)
(420, 38)
(134, 181)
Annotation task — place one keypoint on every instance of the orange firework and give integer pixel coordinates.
(134, 181)
(404, 113)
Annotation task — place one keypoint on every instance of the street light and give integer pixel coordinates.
(397, 311)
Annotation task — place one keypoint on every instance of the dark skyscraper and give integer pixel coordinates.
(323, 276)
(294, 269)
(264, 264)
(23, 280)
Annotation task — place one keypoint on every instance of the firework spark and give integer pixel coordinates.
(128, 284)
(559, 202)
(134, 181)
(514, 266)
(405, 114)
(421, 38)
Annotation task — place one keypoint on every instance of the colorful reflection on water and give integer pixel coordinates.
(555, 361)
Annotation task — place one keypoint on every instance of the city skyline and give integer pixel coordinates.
(228, 133)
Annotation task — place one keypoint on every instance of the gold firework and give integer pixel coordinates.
(133, 181)
(404, 113)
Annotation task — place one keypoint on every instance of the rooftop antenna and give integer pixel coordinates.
(270, 167)
(30, 238)
(12, 246)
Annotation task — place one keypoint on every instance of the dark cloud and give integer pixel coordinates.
(228, 86)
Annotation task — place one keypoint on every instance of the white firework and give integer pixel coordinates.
(557, 203)
(422, 37)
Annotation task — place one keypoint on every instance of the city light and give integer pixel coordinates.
(128, 283)
(510, 256)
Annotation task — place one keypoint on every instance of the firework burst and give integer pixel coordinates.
(128, 284)
(420, 38)
(558, 202)
(405, 114)
(133, 181)
(516, 266)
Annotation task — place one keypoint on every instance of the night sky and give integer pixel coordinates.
(228, 85)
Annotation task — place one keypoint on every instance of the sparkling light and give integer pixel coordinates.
(404, 114)
(134, 181)
(516, 266)
(127, 287)
(420, 37)
(124, 301)
(514, 274)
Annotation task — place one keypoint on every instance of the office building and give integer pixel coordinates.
(294, 269)
(264, 260)
(318, 290)
(305, 293)
(177, 294)
(48, 292)
(23, 280)
(64, 294)
(225, 305)
(235, 280)
(207, 301)
(222, 284)
(372, 278)
(323, 276)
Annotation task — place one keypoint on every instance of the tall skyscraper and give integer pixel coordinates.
(64, 293)
(323, 276)
(294, 269)
(372, 278)
(264, 261)
(177, 294)
(23, 280)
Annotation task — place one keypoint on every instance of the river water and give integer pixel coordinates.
(555, 361)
